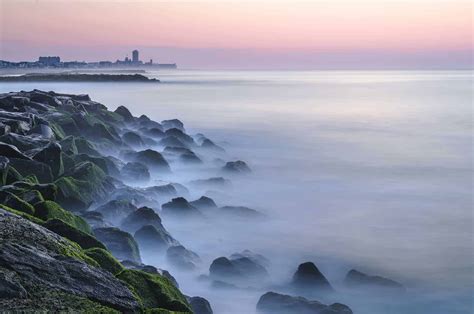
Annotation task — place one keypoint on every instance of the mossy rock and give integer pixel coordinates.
(105, 259)
(22, 214)
(8, 174)
(155, 291)
(32, 197)
(120, 243)
(13, 201)
(85, 147)
(51, 210)
(31, 179)
(68, 145)
(98, 161)
(48, 190)
(32, 167)
(57, 130)
(86, 241)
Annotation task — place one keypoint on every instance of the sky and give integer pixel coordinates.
(258, 34)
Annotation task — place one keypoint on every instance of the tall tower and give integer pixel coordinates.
(135, 56)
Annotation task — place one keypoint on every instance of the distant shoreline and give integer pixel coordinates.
(75, 77)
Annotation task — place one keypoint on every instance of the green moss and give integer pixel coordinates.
(51, 210)
(31, 179)
(58, 131)
(22, 214)
(68, 145)
(75, 251)
(85, 147)
(105, 260)
(154, 291)
(13, 201)
(73, 193)
(86, 241)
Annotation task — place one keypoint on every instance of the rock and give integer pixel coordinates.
(173, 142)
(124, 113)
(215, 182)
(275, 303)
(254, 257)
(182, 258)
(86, 241)
(10, 286)
(183, 137)
(174, 123)
(32, 167)
(210, 145)
(105, 260)
(190, 158)
(133, 139)
(152, 159)
(240, 212)
(11, 151)
(116, 210)
(120, 243)
(357, 280)
(139, 218)
(241, 269)
(236, 167)
(153, 240)
(51, 156)
(308, 277)
(47, 210)
(24, 142)
(136, 172)
(179, 206)
(95, 219)
(200, 305)
(154, 133)
(204, 203)
(222, 267)
(151, 270)
(44, 262)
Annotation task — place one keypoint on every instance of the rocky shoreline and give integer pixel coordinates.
(76, 77)
(80, 207)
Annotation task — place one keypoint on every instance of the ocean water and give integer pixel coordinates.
(370, 170)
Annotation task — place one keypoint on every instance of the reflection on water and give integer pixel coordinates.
(367, 170)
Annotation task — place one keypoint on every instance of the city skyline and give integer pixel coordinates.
(260, 34)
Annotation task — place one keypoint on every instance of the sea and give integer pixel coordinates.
(366, 170)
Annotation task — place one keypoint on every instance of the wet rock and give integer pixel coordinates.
(51, 155)
(95, 219)
(133, 139)
(275, 303)
(124, 113)
(308, 277)
(116, 210)
(11, 151)
(179, 206)
(152, 159)
(153, 240)
(24, 142)
(122, 245)
(139, 218)
(236, 167)
(200, 305)
(135, 172)
(241, 268)
(182, 258)
(10, 286)
(358, 280)
(32, 167)
(254, 257)
(204, 203)
(151, 270)
(174, 123)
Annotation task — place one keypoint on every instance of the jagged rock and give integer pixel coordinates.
(154, 133)
(124, 113)
(152, 159)
(133, 139)
(210, 145)
(11, 151)
(152, 239)
(308, 277)
(204, 203)
(95, 220)
(51, 155)
(200, 305)
(43, 130)
(44, 262)
(181, 257)
(27, 167)
(136, 172)
(241, 268)
(139, 218)
(179, 206)
(151, 270)
(275, 303)
(116, 210)
(120, 243)
(236, 167)
(174, 123)
(172, 141)
(183, 137)
(256, 258)
(359, 280)
(86, 241)
(24, 142)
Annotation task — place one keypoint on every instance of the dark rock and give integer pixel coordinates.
(183, 137)
(51, 155)
(153, 240)
(275, 303)
(95, 219)
(181, 257)
(174, 123)
(32, 167)
(200, 305)
(256, 258)
(210, 145)
(124, 113)
(85, 240)
(204, 203)
(10, 286)
(116, 210)
(222, 267)
(240, 269)
(236, 167)
(190, 158)
(308, 277)
(133, 139)
(358, 280)
(172, 141)
(151, 270)
(139, 218)
(24, 142)
(11, 151)
(136, 172)
(154, 133)
(180, 207)
(120, 243)
(152, 159)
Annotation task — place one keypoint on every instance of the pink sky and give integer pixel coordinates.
(244, 34)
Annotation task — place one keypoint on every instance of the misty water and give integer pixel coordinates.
(366, 170)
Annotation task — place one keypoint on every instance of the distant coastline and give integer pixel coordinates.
(77, 77)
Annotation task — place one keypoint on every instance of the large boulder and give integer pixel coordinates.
(200, 305)
(275, 303)
(308, 277)
(239, 269)
(152, 159)
(133, 139)
(135, 172)
(238, 166)
(27, 167)
(173, 123)
(182, 258)
(116, 210)
(211, 146)
(358, 280)
(255, 257)
(179, 206)
(122, 245)
(183, 137)
(51, 155)
(11, 151)
(153, 240)
(124, 113)
(139, 218)
(55, 273)
(204, 203)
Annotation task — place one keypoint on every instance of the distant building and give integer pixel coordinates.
(135, 58)
(49, 61)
